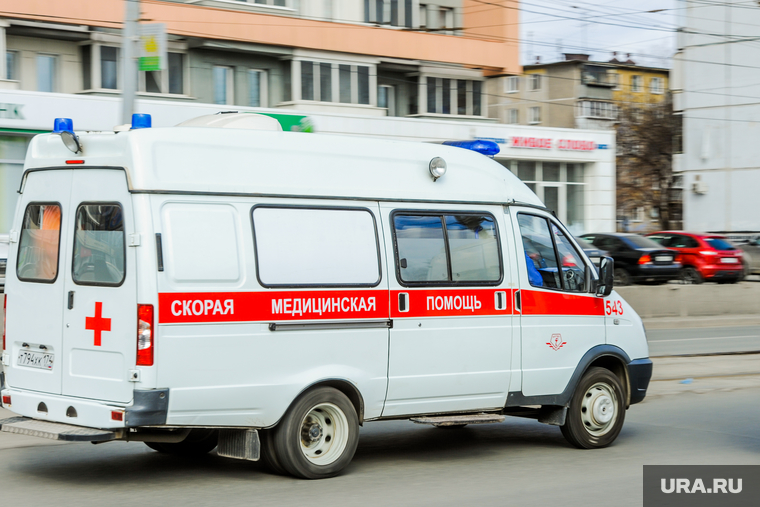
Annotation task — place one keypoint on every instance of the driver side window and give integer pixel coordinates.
(551, 259)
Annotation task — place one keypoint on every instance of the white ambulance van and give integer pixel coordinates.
(224, 284)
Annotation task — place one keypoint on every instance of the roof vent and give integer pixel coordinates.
(233, 120)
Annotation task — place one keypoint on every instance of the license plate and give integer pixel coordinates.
(663, 258)
(39, 360)
(729, 260)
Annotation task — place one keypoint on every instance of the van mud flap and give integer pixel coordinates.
(54, 431)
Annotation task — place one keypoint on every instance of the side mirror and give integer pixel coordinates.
(606, 276)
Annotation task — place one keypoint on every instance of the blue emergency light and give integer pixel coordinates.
(141, 121)
(487, 148)
(63, 125)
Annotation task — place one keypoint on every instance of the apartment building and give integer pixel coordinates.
(406, 69)
(575, 92)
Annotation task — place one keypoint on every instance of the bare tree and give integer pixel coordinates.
(647, 136)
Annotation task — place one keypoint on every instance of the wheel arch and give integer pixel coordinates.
(609, 357)
(344, 386)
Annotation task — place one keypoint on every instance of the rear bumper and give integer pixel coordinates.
(639, 375)
(657, 272)
(722, 272)
(148, 408)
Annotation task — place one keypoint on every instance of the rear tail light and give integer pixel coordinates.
(678, 259)
(6, 400)
(645, 259)
(117, 415)
(145, 338)
(708, 252)
(5, 306)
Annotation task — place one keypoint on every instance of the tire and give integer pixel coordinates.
(689, 275)
(198, 443)
(268, 454)
(318, 436)
(621, 277)
(597, 410)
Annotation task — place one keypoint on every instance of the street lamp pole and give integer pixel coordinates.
(129, 59)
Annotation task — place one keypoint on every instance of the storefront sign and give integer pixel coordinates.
(573, 145)
(542, 143)
(153, 47)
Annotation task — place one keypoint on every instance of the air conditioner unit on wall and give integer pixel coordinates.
(699, 187)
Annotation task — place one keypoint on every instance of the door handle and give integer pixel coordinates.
(518, 304)
(403, 302)
(501, 300)
(71, 300)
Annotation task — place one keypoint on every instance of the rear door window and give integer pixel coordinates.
(99, 245)
(39, 243)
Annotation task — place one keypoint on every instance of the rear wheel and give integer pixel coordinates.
(621, 277)
(268, 454)
(690, 275)
(318, 436)
(197, 443)
(597, 410)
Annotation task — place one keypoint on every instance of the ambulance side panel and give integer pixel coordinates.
(226, 345)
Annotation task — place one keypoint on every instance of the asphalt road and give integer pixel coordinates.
(519, 462)
(705, 340)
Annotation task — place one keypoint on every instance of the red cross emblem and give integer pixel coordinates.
(97, 324)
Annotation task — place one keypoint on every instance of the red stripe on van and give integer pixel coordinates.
(450, 302)
(272, 306)
(535, 302)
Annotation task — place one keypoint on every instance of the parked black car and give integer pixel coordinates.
(637, 259)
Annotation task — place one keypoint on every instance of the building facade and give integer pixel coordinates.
(716, 86)
(575, 92)
(389, 68)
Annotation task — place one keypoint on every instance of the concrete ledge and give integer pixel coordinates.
(705, 300)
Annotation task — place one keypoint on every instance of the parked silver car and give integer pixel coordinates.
(751, 256)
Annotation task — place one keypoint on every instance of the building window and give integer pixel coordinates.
(534, 114)
(535, 82)
(614, 79)
(656, 85)
(257, 88)
(223, 88)
(386, 98)
(513, 117)
(598, 109)
(171, 80)
(277, 3)
(449, 96)
(46, 73)
(10, 65)
(512, 84)
(109, 64)
(388, 12)
(423, 17)
(636, 83)
(446, 19)
(353, 82)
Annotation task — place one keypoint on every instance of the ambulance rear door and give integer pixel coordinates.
(100, 314)
(35, 283)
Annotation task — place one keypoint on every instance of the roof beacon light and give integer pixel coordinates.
(63, 125)
(437, 168)
(141, 121)
(487, 148)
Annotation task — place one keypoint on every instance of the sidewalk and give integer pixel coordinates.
(698, 322)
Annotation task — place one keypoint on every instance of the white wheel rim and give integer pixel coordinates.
(599, 409)
(324, 434)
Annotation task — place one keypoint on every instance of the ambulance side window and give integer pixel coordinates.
(447, 249)
(39, 243)
(552, 260)
(99, 245)
(316, 247)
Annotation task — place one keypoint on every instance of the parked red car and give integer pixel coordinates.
(705, 257)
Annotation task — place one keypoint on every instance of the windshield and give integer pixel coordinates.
(641, 242)
(720, 244)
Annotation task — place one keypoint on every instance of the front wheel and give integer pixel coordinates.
(597, 410)
(318, 436)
